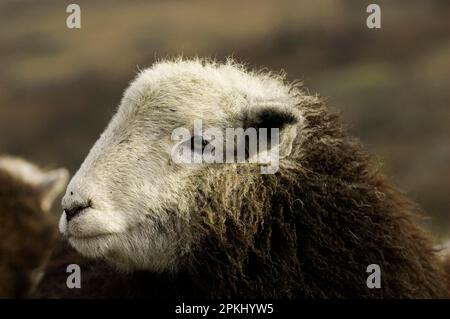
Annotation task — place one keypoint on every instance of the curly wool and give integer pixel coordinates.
(311, 230)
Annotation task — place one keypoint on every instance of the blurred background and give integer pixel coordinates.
(59, 86)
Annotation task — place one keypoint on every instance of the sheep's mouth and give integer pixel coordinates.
(96, 236)
(89, 237)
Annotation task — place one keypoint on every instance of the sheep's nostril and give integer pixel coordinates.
(74, 211)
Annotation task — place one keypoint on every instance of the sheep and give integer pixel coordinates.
(27, 231)
(212, 230)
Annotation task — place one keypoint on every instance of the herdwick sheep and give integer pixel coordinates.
(225, 230)
(27, 231)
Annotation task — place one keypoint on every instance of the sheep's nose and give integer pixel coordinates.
(75, 201)
(73, 205)
(75, 209)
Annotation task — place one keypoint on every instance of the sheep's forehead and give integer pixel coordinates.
(178, 92)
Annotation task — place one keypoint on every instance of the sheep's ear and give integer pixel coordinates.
(269, 116)
(51, 186)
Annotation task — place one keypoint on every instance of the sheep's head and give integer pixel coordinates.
(130, 201)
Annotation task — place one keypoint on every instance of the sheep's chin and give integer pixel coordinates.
(92, 246)
(104, 247)
(117, 249)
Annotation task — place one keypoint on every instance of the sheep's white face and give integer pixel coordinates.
(129, 203)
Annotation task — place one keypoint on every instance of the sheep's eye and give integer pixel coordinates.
(197, 143)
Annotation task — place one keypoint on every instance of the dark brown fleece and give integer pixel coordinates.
(309, 231)
(27, 236)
